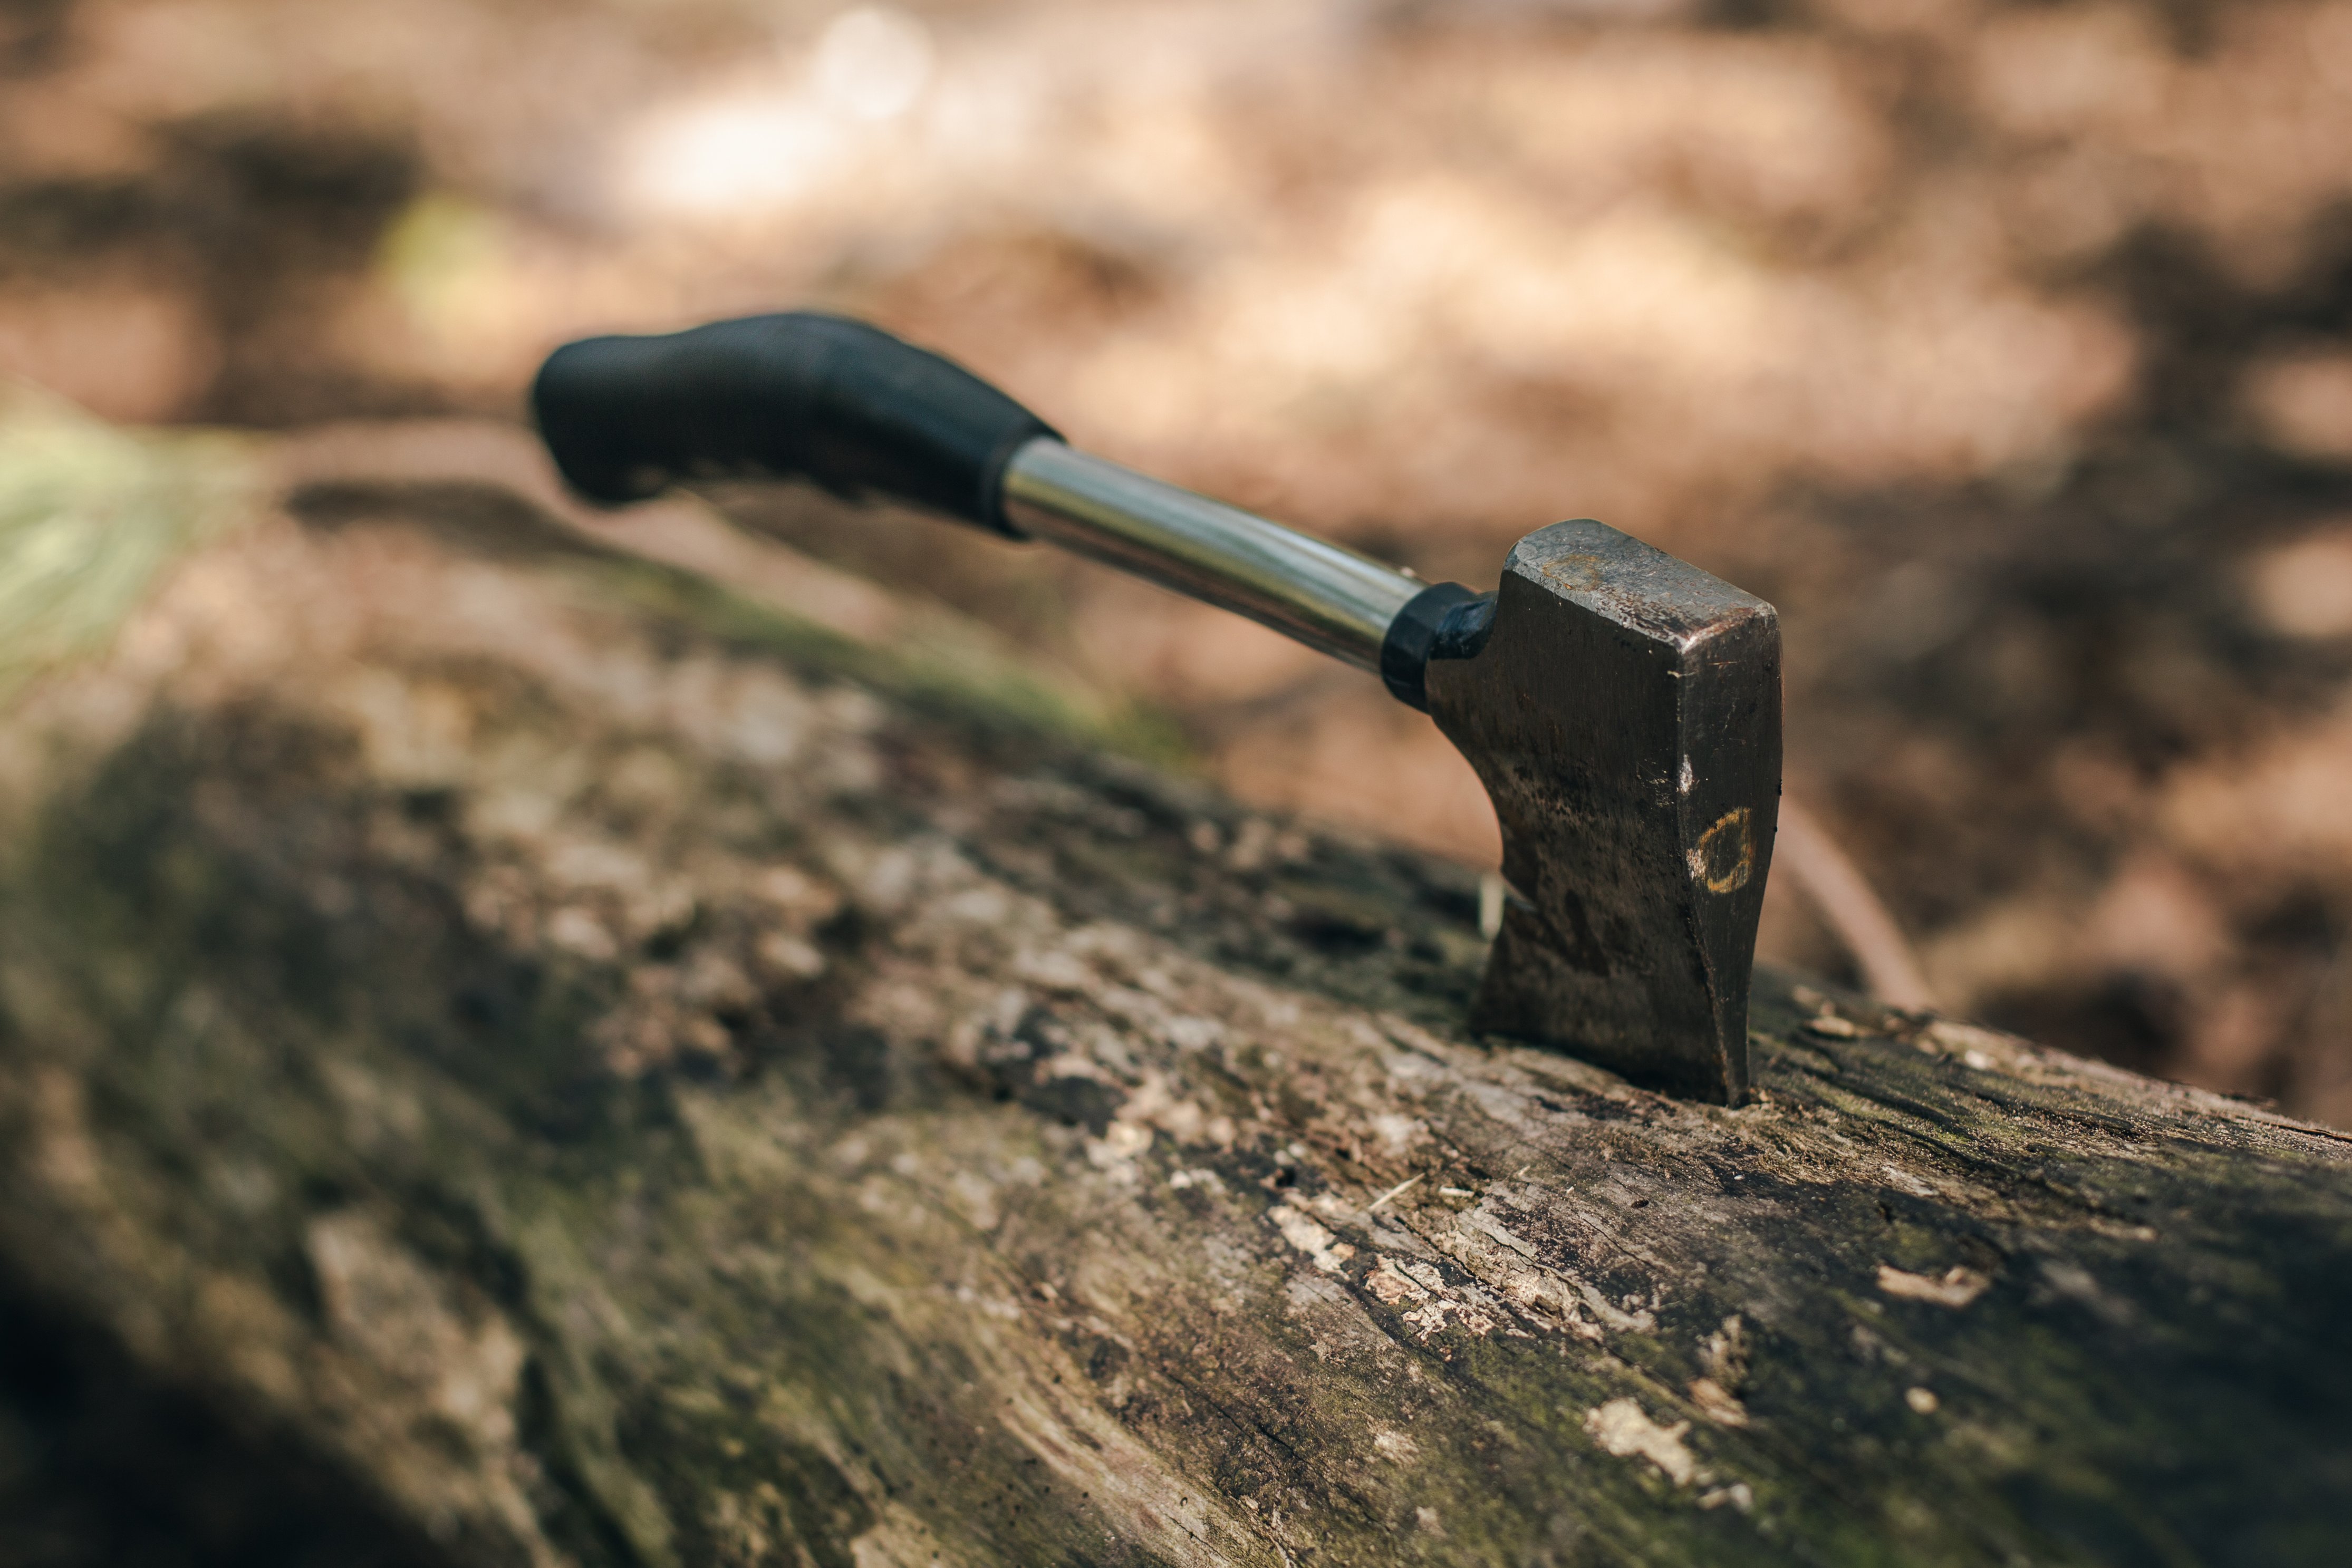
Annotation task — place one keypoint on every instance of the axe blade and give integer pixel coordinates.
(1624, 714)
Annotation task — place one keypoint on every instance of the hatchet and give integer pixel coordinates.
(1621, 708)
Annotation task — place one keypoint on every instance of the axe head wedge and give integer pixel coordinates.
(1623, 711)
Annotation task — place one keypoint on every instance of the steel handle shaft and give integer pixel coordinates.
(1325, 595)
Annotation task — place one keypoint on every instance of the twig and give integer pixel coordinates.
(1853, 913)
(1395, 1191)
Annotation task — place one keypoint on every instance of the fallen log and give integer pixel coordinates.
(510, 1054)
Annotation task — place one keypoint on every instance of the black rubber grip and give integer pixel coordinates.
(798, 395)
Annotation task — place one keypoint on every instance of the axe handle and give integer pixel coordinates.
(1325, 595)
(859, 411)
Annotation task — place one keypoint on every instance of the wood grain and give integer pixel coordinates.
(613, 1075)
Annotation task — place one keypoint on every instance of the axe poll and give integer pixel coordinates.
(1621, 706)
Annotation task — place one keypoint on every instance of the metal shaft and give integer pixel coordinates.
(1327, 596)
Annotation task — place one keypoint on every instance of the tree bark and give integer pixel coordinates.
(512, 1056)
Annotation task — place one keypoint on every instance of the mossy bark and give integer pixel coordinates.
(562, 1067)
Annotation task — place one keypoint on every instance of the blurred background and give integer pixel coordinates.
(2006, 347)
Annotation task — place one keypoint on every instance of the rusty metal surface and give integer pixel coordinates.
(1626, 717)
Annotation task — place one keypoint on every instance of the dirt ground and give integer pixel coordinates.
(2007, 348)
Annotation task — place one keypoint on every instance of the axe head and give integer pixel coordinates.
(1623, 710)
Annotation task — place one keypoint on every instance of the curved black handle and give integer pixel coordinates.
(796, 395)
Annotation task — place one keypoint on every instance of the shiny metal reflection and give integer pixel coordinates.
(1327, 596)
